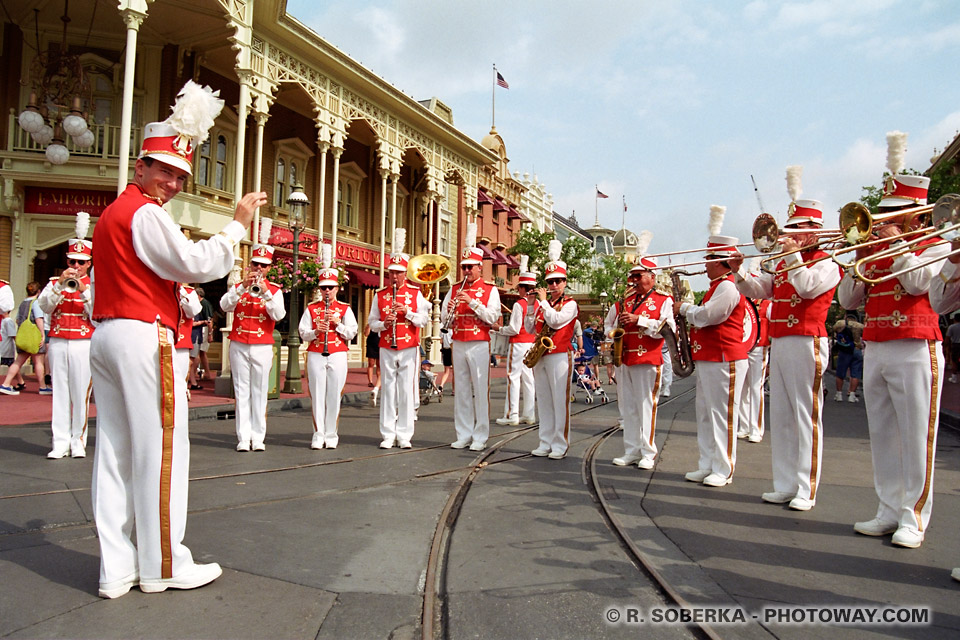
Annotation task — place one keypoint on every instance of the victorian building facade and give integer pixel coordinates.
(298, 111)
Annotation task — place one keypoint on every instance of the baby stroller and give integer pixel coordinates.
(581, 385)
(428, 384)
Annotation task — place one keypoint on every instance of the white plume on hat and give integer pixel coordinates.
(399, 239)
(896, 150)
(82, 224)
(553, 250)
(717, 212)
(266, 226)
(326, 255)
(643, 241)
(470, 237)
(195, 110)
(794, 187)
(524, 263)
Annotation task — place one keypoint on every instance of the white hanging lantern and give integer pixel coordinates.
(57, 153)
(43, 136)
(30, 120)
(85, 140)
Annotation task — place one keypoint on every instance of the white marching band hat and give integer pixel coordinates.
(719, 246)
(174, 140)
(900, 189)
(527, 277)
(79, 248)
(644, 262)
(262, 251)
(398, 259)
(555, 268)
(801, 210)
(472, 254)
(328, 276)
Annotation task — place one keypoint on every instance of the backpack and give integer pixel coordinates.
(843, 341)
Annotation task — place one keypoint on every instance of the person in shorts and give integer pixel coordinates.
(849, 349)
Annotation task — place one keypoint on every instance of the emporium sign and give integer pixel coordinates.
(282, 239)
(58, 201)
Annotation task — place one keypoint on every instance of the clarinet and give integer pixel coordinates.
(393, 340)
(326, 334)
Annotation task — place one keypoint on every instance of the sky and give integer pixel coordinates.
(672, 105)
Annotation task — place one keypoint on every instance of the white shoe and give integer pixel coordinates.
(625, 461)
(373, 395)
(909, 538)
(56, 454)
(802, 504)
(717, 480)
(540, 452)
(386, 444)
(839, 396)
(258, 446)
(778, 497)
(403, 444)
(528, 421)
(119, 587)
(755, 439)
(665, 392)
(955, 574)
(742, 436)
(510, 421)
(332, 444)
(316, 445)
(853, 398)
(478, 446)
(78, 452)
(875, 527)
(645, 463)
(243, 446)
(557, 455)
(697, 476)
(198, 576)
(953, 378)
(598, 392)
(460, 444)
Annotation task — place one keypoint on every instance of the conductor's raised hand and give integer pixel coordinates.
(248, 204)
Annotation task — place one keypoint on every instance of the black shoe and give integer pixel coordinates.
(47, 380)
(20, 387)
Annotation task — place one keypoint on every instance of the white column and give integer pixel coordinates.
(321, 197)
(337, 151)
(261, 119)
(133, 19)
(383, 221)
(394, 178)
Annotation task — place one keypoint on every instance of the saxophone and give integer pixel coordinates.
(617, 335)
(679, 344)
(544, 342)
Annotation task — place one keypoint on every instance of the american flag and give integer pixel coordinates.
(501, 81)
(601, 194)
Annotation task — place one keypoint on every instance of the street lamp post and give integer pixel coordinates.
(297, 202)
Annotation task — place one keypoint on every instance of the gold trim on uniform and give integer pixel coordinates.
(931, 433)
(167, 416)
(817, 395)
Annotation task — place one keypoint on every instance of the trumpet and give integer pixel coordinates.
(945, 223)
(71, 285)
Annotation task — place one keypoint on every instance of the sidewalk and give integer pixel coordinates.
(31, 408)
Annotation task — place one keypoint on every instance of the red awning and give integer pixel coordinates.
(512, 263)
(364, 277)
(499, 257)
(500, 206)
(483, 198)
(514, 214)
(487, 254)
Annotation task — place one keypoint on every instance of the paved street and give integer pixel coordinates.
(335, 544)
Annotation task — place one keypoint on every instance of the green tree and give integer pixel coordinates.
(610, 277)
(576, 252)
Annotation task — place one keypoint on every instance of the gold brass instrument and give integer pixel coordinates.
(427, 270)
(678, 344)
(452, 314)
(945, 222)
(616, 349)
(858, 225)
(71, 285)
(544, 342)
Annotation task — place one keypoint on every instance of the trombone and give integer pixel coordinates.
(945, 224)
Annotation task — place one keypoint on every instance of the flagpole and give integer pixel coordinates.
(493, 99)
(623, 217)
(596, 206)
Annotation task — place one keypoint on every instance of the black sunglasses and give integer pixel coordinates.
(327, 287)
(73, 262)
(467, 267)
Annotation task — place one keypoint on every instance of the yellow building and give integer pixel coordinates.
(298, 110)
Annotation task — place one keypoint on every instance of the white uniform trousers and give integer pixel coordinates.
(751, 400)
(471, 411)
(327, 375)
(719, 385)
(902, 380)
(519, 377)
(131, 483)
(638, 392)
(250, 364)
(398, 389)
(797, 364)
(552, 379)
(70, 367)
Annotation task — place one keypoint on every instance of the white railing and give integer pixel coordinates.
(106, 144)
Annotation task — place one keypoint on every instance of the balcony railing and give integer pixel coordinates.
(106, 144)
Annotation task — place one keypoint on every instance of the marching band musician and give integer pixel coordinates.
(520, 377)
(141, 464)
(641, 316)
(902, 366)
(190, 306)
(67, 301)
(327, 326)
(716, 341)
(398, 313)
(257, 306)
(470, 309)
(799, 352)
(751, 399)
(552, 373)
